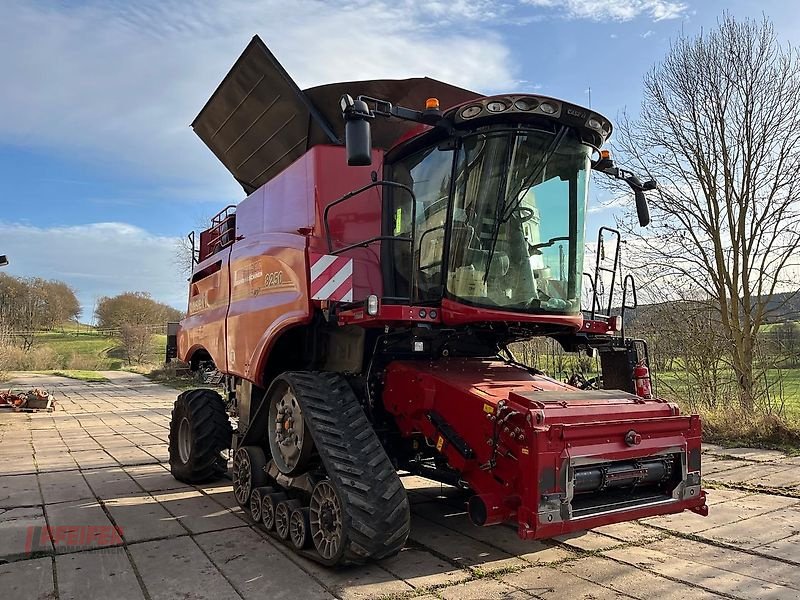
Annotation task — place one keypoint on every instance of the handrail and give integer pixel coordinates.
(625, 306)
(598, 268)
(366, 242)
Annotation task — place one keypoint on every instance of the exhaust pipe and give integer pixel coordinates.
(490, 509)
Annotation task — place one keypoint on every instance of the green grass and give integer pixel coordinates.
(90, 376)
(785, 380)
(89, 350)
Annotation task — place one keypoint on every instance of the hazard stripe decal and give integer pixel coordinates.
(331, 277)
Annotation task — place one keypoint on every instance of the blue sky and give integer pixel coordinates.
(100, 172)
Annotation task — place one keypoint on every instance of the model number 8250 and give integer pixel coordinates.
(273, 279)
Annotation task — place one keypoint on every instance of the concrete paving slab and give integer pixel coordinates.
(197, 512)
(177, 568)
(758, 531)
(19, 490)
(787, 548)
(712, 578)
(28, 580)
(64, 486)
(724, 513)
(715, 496)
(712, 465)
(549, 583)
(731, 560)
(460, 549)
(154, 478)
(756, 454)
(105, 573)
(354, 583)
(500, 537)
(93, 459)
(421, 569)
(141, 518)
(751, 473)
(131, 456)
(589, 541)
(111, 483)
(80, 525)
(256, 569)
(630, 532)
(61, 462)
(484, 589)
(23, 531)
(631, 581)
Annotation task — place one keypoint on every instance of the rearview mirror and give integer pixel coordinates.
(642, 210)
(3, 260)
(357, 132)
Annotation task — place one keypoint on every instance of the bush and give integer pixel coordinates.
(42, 358)
(737, 428)
(83, 362)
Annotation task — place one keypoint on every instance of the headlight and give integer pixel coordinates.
(526, 104)
(471, 111)
(548, 108)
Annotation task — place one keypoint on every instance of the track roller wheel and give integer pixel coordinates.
(282, 513)
(248, 473)
(299, 528)
(199, 435)
(256, 498)
(361, 511)
(269, 504)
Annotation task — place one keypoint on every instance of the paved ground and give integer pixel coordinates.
(99, 461)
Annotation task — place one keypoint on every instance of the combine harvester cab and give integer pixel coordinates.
(361, 306)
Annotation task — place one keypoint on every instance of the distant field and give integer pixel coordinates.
(86, 349)
(785, 383)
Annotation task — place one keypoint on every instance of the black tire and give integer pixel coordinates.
(376, 517)
(202, 456)
(248, 473)
(282, 513)
(256, 500)
(300, 529)
(269, 502)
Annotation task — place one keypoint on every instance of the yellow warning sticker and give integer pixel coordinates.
(488, 408)
(439, 443)
(525, 451)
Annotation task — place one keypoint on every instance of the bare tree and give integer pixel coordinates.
(135, 341)
(718, 130)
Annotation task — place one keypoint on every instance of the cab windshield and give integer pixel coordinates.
(515, 220)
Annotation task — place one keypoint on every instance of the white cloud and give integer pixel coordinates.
(97, 259)
(117, 84)
(647, 34)
(614, 10)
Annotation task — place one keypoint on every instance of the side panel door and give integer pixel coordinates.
(269, 283)
(204, 325)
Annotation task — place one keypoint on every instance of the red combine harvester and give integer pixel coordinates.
(360, 302)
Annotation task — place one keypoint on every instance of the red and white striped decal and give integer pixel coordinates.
(331, 277)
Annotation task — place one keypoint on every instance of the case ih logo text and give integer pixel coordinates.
(72, 537)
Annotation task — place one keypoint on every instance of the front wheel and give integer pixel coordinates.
(199, 435)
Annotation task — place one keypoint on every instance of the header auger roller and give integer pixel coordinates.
(359, 304)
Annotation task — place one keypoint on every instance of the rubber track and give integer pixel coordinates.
(374, 499)
(213, 433)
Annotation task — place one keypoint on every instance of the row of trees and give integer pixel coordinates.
(33, 304)
(132, 314)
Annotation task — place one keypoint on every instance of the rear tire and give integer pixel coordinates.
(199, 435)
